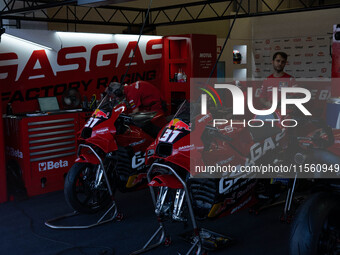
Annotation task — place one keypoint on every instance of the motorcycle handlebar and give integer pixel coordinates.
(324, 127)
(125, 117)
(214, 131)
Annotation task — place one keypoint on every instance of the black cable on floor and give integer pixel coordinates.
(106, 250)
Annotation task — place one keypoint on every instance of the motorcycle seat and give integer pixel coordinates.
(142, 118)
(259, 134)
(143, 121)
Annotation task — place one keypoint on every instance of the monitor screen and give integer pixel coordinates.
(47, 104)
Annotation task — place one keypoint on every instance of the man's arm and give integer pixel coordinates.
(135, 110)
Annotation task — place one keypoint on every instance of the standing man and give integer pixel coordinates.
(277, 79)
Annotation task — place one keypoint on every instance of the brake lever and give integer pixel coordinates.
(215, 132)
(317, 136)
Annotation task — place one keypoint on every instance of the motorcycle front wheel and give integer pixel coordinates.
(80, 191)
(315, 229)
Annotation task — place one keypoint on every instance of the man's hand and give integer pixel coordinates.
(135, 110)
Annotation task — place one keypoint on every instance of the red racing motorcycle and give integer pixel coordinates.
(316, 226)
(111, 155)
(181, 185)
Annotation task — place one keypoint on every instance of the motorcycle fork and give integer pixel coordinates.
(178, 205)
(100, 169)
(99, 176)
(162, 194)
(161, 208)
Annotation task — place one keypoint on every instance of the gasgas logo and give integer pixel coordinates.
(78, 59)
(26, 74)
(264, 115)
(50, 165)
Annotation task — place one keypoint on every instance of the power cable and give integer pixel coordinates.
(140, 34)
(225, 41)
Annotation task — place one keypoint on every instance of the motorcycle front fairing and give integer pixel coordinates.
(100, 129)
(173, 144)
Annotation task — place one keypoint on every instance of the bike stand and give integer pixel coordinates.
(196, 239)
(196, 242)
(287, 211)
(109, 215)
(148, 246)
(104, 218)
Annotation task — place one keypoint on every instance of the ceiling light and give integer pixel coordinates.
(26, 41)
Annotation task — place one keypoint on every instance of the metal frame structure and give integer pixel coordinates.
(67, 11)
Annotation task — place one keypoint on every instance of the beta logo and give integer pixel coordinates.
(44, 166)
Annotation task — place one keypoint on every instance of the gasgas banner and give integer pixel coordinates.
(46, 63)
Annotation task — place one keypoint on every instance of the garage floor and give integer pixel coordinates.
(22, 229)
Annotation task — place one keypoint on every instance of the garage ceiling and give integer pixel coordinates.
(131, 14)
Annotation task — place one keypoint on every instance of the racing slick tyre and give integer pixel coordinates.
(80, 191)
(315, 229)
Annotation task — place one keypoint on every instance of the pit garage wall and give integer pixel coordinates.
(308, 57)
(311, 30)
(306, 37)
(303, 25)
(84, 61)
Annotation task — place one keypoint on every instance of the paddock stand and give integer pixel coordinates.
(287, 211)
(109, 215)
(286, 215)
(198, 235)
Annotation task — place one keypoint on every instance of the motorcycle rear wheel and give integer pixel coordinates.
(315, 229)
(79, 190)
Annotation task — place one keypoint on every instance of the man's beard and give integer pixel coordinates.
(279, 70)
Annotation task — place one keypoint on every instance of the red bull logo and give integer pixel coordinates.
(100, 114)
(178, 124)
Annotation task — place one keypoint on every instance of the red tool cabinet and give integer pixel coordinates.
(43, 147)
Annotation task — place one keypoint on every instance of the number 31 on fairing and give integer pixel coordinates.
(169, 135)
